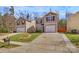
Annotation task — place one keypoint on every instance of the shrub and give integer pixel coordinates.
(74, 31)
(3, 30)
(39, 31)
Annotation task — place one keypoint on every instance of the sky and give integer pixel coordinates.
(41, 10)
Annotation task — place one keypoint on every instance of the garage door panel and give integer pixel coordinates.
(20, 29)
(50, 28)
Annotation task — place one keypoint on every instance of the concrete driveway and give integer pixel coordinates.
(49, 42)
(45, 43)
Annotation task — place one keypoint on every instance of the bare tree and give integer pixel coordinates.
(11, 10)
(35, 15)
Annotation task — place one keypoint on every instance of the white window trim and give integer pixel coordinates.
(50, 15)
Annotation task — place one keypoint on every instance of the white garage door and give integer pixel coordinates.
(50, 28)
(21, 29)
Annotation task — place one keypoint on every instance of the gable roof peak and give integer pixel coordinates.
(53, 13)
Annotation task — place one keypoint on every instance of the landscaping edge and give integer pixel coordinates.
(71, 47)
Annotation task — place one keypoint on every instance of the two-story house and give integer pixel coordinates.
(24, 25)
(48, 23)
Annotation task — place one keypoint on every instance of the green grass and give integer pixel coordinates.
(74, 38)
(24, 37)
(3, 45)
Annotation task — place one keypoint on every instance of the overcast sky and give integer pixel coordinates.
(41, 10)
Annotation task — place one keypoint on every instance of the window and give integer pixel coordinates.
(23, 22)
(10, 23)
(53, 18)
(36, 21)
(50, 18)
(18, 23)
(41, 21)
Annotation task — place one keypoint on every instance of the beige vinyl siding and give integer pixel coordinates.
(73, 22)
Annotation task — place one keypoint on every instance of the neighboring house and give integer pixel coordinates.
(48, 23)
(73, 22)
(24, 25)
(9, 22)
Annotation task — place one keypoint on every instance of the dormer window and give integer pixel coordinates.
(18, 23)
(23, 22)
(50, 18)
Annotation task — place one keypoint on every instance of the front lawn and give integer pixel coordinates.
(24, 37)
(3, 45)
(74, 38)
